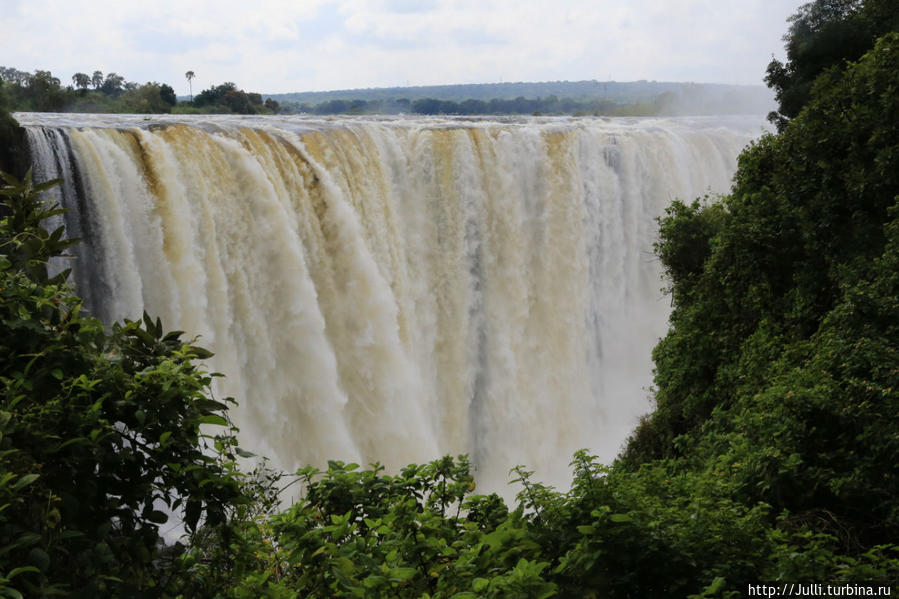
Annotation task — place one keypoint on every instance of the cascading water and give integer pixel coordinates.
(394, 289)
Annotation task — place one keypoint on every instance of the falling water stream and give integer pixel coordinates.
(394, 289)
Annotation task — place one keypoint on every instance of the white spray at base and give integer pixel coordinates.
(395, 290)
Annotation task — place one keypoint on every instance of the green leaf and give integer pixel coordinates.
(148, 322)
(200, 352)
(212, 419)
(12, 593)
(402, 574)
(25, 481)
(373, 581)
(21, 570)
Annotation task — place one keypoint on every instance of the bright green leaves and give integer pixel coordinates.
(360, 533)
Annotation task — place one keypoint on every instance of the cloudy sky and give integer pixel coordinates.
(274, 46)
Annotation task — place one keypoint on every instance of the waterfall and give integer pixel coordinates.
(394, 289)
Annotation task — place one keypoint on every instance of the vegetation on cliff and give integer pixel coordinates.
(99, 430)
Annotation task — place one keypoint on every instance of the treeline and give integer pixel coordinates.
(549, 105)
(613, 98)
(658, 99)
(42, 92)
(703, 97)
(111, 93)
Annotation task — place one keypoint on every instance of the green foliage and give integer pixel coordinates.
(658, 531)
(227, 98)
(99, 433)
(420, 533)
(664, 530)
(150, 98)
(825, 34)
(776, 386)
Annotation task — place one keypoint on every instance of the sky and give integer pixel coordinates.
(280, 46)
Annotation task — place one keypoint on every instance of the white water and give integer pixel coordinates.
(395, 289)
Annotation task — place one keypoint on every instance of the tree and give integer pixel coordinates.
(272, 105)
(14, 76)
(190, 75)
(97, 80)
(113, 84)
(825, 34)
(780, 367)
(81, 81)
(167, 93)
(44, 92)
(150, 98)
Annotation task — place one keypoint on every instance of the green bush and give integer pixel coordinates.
(99, 432)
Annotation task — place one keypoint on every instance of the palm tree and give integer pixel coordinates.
(190, 75)
(97, 79)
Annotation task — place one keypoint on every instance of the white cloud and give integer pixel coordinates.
(286, 45)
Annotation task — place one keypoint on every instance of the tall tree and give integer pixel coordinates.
(113, 84)
(190, 75)
(97, 79)
(824, 34)
(81, 80)
(167, 93)
(44, 92)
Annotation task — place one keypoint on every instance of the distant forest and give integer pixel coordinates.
(613, 98)
(41, 91)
